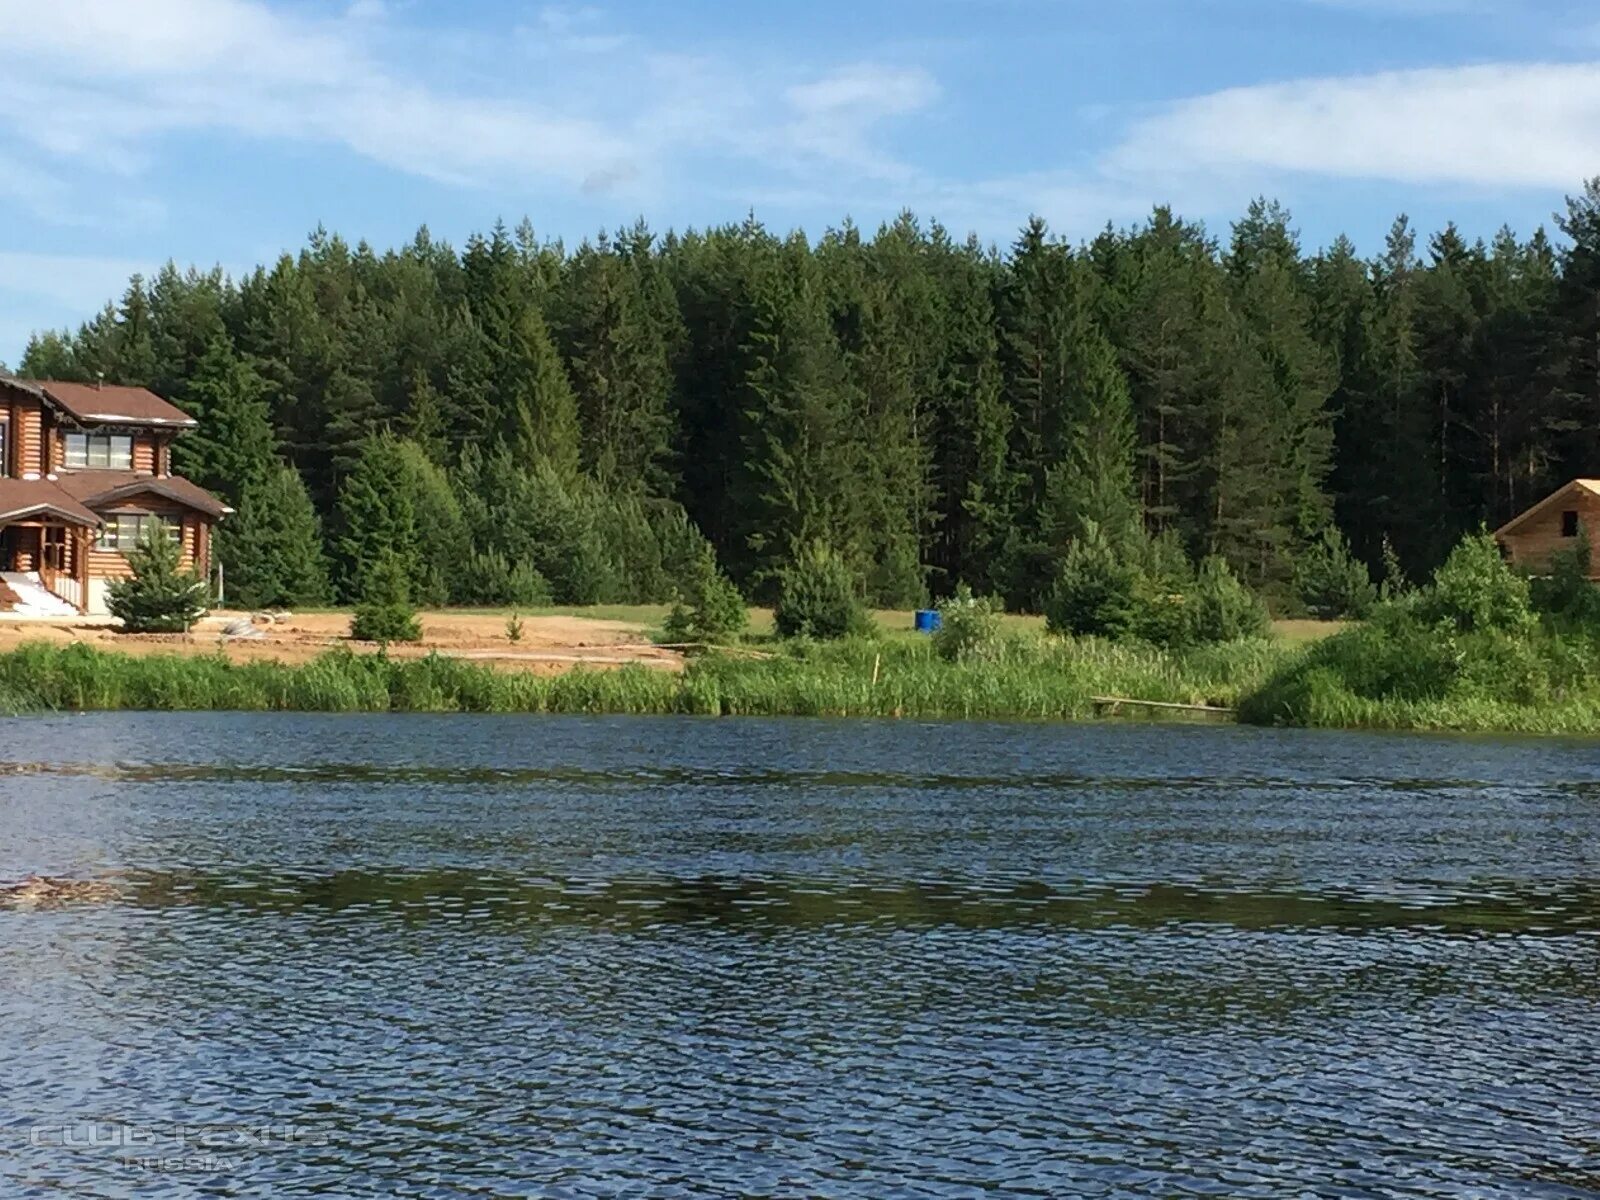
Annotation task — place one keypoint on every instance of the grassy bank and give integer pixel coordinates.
(899, 677)
(1479, 648)
(1401, 671)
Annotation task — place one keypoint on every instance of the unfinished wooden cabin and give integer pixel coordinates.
(1531, 538)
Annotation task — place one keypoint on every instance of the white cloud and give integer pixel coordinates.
(101, 79)
(865, 92)
(566, 30)
(81, 283)
(1516, 125)
(836, 118)
(97, 85)
(43, 291)
(570, 104)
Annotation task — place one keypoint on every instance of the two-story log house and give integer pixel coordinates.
(85, 471)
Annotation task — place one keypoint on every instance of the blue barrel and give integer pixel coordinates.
(927, 621)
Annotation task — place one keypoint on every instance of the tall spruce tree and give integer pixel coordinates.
(540, 414)
(271, 548)
(1093, 484)
(233, 448)
(620, 367)
(882, 306)
(801, 448)
(973, 481)
(376, 517)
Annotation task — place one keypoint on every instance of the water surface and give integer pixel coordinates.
(436, 957)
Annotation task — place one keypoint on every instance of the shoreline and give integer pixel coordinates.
(892, 679)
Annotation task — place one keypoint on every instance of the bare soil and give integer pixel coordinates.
(549, 645)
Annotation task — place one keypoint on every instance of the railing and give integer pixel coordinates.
(58, 582)
(66, 586)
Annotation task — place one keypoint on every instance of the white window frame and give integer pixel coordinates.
(121, 531)
(98, 451)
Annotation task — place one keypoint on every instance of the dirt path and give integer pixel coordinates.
(549, 645)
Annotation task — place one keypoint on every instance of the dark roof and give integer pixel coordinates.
(40, 497)
(96, 488)
(107, 404)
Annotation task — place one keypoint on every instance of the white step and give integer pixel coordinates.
(33, 598)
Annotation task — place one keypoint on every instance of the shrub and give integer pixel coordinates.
(385, 613)
(1464, 652)
(678, 628)
(1567, 595)
(1223, 609)
(1094, 592)
(711, 608)
(163, 596)
(489, 579)
(1394, 656)
(817, 596)
(1394, 584)
(969, 628)
(1331, 581)
(1475, 590)
(514, 628)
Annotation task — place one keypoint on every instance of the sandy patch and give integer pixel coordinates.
(549, 645)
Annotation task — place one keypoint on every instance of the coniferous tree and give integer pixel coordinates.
(1575, 349)
(883, 311)
(438, 523)
(162, 595)
(1046, 318)
(800, 446)
(973, 480)
(620, 368)
(376, 518)
(271, 548)
(1167, 311)
(385, 612)
(1093, 485)
(541, 415)
(233, 448)
(1281, 441)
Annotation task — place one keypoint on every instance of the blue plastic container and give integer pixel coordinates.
(927, 621)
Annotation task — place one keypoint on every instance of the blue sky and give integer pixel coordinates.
(221, 131)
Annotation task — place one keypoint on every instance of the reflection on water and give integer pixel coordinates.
(442, 957)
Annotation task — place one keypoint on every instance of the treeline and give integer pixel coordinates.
(522, 420)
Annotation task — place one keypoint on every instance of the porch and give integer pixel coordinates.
(48, 554)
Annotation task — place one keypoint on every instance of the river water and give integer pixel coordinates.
(482, 956)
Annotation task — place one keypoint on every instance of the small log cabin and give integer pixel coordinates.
(1532, 537)
(85, 471)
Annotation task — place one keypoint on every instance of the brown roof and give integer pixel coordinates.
(40, 497)
(1592, 486)
(105, 403)
(95, 488)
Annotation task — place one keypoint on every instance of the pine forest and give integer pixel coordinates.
(520, 421)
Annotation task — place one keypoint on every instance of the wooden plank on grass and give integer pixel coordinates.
(1116, 702)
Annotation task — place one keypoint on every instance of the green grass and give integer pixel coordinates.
(896, 677)
(1386, 674)
(1397, 671)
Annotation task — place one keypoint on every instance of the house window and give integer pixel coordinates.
(122, 531)
(113, 450)
(1569, 524)
(5, 463)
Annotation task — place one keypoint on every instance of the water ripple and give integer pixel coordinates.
(1213, 966)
